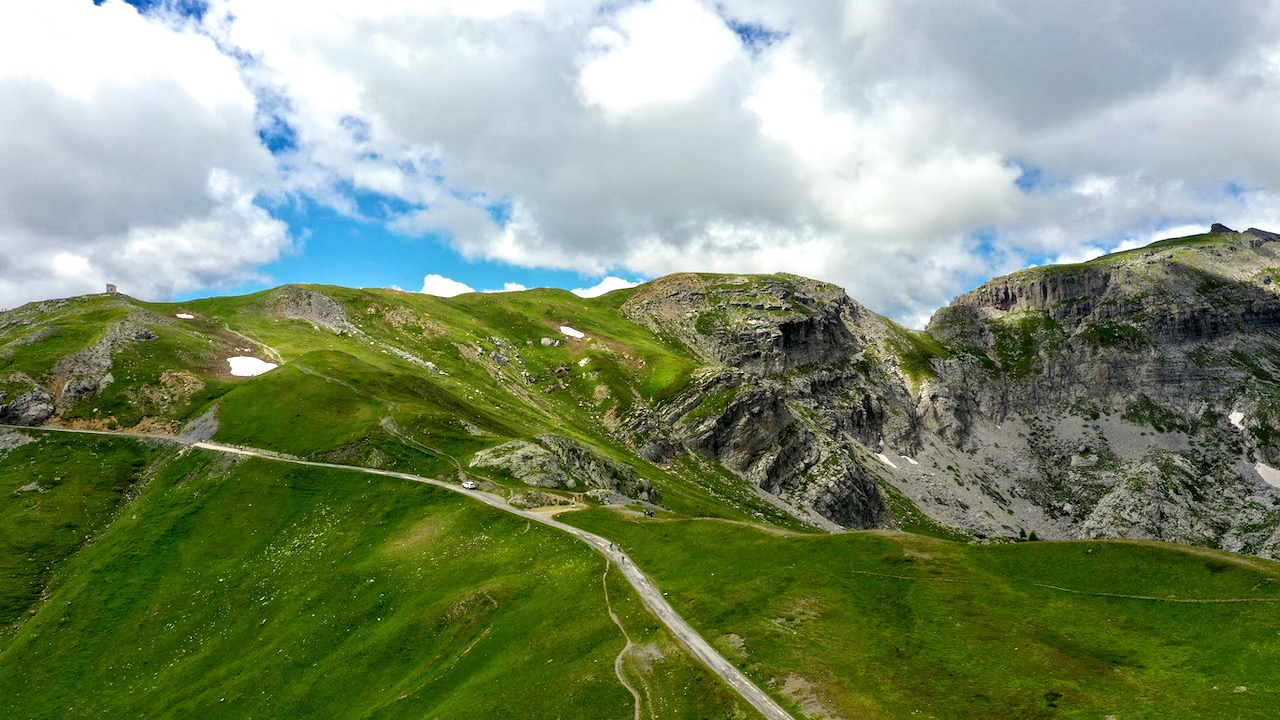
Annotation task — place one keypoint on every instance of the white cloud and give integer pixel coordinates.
(662, 51)
(441, 286)
(508, 287)
(608, 284)
(128, 154)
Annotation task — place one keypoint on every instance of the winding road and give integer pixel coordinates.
(644, 587)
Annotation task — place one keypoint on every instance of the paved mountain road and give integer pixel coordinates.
(648, 592)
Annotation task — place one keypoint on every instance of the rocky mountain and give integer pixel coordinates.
(1130, 396)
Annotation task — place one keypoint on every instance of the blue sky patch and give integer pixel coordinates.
(755, 36)
(188, 8)
(278, 135)
(1029, 176)
(336, 249)
(377, 207)
(500, 212)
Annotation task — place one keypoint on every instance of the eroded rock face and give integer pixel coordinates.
(82, 375)
(762, 327)
(1092, 400)
(792, 395)
(299, 303)
(1148, 324)
(24, 402)
(558, 462)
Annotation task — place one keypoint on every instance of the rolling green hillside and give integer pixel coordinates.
(894, 625)
(252, 589)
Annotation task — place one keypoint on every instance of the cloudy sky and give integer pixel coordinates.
(904, 149)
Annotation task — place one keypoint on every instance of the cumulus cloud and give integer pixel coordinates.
(509, 287)
(129, 154)
(441, 286)
(606, 285)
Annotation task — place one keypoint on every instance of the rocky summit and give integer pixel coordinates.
(1132, 396)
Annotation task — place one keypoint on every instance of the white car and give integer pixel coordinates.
(470, 484)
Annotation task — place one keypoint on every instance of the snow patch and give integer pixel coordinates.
(249, 366)
(886, 461)
(571, 332)
(1237, 418)
(910, 460)
(1270, 475)
(185, 316)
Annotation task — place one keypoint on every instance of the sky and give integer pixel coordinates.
(906, 150)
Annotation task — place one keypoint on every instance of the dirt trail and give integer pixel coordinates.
(1159, 599)
(618, 661)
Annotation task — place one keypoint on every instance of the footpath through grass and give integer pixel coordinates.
(875, 625)
(247, 588)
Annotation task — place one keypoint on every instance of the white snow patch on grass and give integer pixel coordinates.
(886, 460)
(185, 316)
(1237, 418)
(1270, 475)
(571, 332)
(249, 366)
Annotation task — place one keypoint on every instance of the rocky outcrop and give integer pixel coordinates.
(323, 312)
(83, 374)
(761, 326)
(10, 439)
(23, 402)
(794, 391)
(565, 464)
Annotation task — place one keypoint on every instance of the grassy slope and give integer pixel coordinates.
(258, 589)
(475, 403)
(331, 398)
(966, 632)
(78, 485)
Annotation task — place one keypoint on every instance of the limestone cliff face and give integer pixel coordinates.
(793, 394)
(1161, 322)
(1132, 396)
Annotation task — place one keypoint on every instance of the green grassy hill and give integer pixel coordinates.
(895, 625)
(254, 589)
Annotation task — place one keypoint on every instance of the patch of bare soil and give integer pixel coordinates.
(806, 696)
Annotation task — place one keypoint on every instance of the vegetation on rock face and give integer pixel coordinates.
(1020, 340)
(1114, 335)
(916, 352)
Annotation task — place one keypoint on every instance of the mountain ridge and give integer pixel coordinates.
(1069, 401)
